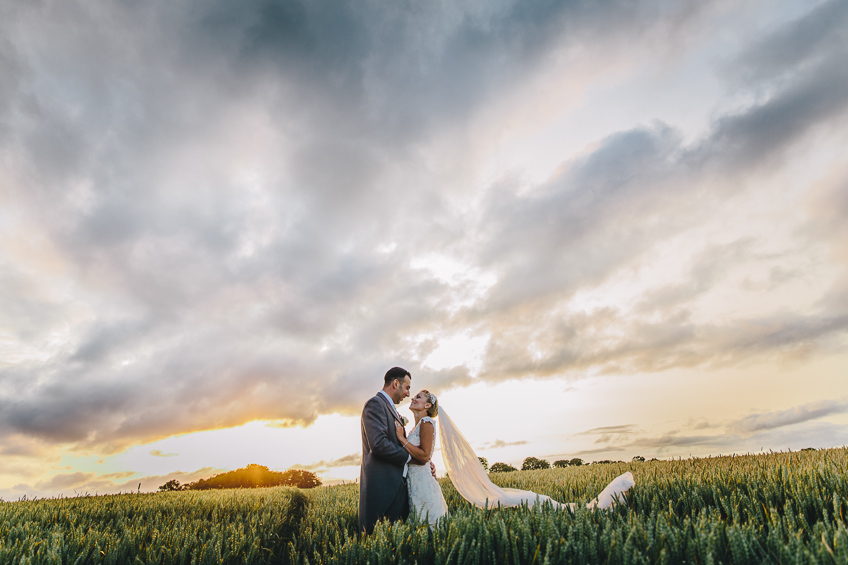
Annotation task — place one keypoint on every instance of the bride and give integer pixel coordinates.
(425, 494)
(465, 470)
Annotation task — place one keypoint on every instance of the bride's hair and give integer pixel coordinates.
(433, 410)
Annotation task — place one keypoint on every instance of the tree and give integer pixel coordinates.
(254, 476)
(638, 459)
(301, 479)
(501, 468)
(562, 463)
(484, 462)
(173, 484)
(533, 464)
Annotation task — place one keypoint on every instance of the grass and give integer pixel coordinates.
(775, 508)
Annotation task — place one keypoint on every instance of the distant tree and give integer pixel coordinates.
(301, 479)
(533, 464)
(602, 462)
(809, 449)
(562, 463)
(501, 468)
(484, 462)
(638, 459)
(173, 484)
(254, 476)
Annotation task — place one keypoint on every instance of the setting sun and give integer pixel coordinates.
(594, 231)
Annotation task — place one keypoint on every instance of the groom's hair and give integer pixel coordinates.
(395, 373)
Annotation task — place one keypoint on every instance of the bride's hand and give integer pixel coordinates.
(401, 433)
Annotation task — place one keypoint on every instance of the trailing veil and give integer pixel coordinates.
(472, 482)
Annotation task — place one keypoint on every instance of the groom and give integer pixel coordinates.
(382, 477)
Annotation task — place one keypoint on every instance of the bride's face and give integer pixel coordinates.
(419, 402)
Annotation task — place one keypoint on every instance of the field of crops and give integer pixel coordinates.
(776, 508)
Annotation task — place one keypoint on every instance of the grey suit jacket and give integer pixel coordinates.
(383, 458)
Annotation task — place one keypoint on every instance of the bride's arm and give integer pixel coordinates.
(421, 455)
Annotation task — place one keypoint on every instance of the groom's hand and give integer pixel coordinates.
(433, 469)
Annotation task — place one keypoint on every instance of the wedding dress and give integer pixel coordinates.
(425, 494)
(471, 481)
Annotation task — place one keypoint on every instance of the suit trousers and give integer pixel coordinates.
(397, 510)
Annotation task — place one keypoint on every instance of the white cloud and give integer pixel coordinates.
(295, 197)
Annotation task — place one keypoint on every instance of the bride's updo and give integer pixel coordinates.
(433, 410)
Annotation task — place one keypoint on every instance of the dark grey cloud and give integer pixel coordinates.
(231, 197)
(603, 209)
(789, 417)
(807, 41)
(611, 341)
(572, 223)
(609, 208)
(798, 70)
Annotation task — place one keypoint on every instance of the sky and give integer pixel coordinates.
(592, 229)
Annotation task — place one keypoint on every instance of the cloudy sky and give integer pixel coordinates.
(594, 229)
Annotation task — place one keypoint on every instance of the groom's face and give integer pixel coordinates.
(402, 390)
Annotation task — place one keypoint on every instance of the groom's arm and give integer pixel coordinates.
(381, 444)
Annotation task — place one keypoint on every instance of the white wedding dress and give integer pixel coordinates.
(471, 481)
(425, 493)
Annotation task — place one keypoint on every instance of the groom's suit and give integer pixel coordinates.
(382, 485)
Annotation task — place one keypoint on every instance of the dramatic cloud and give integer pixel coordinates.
(752, 434)
(795, 415)
(215, 213)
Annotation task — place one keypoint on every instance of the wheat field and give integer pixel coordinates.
(774, 508)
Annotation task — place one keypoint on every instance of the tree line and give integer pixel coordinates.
(534, 463)
(252, 476)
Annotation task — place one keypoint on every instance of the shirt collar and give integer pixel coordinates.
(389, 398)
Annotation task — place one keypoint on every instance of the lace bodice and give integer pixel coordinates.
(415, 435)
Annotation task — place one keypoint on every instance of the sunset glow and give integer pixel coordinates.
(594, 230)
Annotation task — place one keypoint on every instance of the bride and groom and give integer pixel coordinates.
(395, 477)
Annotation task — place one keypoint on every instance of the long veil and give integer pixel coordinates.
(471, 481)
